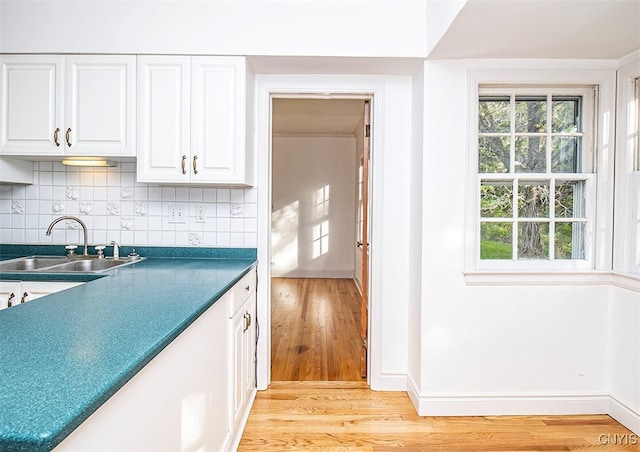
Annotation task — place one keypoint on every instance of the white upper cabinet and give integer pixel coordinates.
(192, 116)
(31, 99)
(68, 105)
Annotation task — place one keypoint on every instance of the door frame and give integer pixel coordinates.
(318, 86)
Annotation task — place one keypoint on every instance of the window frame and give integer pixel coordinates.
(587, 174)
(545, 74)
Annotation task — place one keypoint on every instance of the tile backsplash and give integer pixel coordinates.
(115, 207)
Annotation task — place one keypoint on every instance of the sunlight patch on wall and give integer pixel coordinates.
(284, 237)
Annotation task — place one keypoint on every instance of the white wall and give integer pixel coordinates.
(493, 349)
(279, 27)
(313, 207)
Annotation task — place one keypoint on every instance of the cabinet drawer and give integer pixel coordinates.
(242, 290)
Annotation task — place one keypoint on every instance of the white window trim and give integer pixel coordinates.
(627, 234)
(601, 257)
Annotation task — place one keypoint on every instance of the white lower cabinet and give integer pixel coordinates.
(16, 292)
(243, 363)
(182, 400)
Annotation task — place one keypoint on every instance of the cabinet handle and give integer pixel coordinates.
(68, 136)
(184, 164)
(10, 300)
(24, 297)
(247, 288)
(55, 136)
(195, 169)
(247, 321)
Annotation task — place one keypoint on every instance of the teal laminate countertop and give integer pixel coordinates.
(62, 356)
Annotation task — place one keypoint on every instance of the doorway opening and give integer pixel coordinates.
(319, 230)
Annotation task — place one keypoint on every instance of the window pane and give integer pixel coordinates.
(496, 240)
(533, 199)
(569, 199)
(494, 155)
(533, 240)
(565, 115)
(531, 115)
(496, 199)
(494, 115)
(569, 240)
(564, 154)
(531, 155)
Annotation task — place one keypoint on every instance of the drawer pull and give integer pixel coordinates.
(10, 300)
(184, 160)
(247, 288)
(68, 136)
(195, 164)
(24, 297)
(55, 136)
(247, 321)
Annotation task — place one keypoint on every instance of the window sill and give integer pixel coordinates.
(539, 278)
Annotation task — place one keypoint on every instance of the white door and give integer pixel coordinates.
(32, 105)
(164, 119)
(100, 114)
(218, 116)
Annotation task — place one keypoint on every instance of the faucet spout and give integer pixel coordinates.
(84, 229)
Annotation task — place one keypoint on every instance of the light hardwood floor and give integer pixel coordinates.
(341, 416)
(315, 330)
(315, 337)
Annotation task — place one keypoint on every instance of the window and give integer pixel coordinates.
(536, 181)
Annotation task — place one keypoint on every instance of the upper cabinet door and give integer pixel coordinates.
(218, 113)
(100, 115)
(31, 100)
(164, 153)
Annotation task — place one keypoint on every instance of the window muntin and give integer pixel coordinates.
(535, 176)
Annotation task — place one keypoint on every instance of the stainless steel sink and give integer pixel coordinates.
(31, 263)
(89, 265)
(53, 264)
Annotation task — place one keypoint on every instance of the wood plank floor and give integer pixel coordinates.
(340, 416)
(315, 339)
(315, 330)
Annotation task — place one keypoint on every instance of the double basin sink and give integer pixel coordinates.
(56, 264)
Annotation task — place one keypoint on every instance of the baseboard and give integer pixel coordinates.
(501, 405)
(625, 415)
(302, 273)
(390, 382)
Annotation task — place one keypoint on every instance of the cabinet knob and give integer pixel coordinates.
(195, 169)
(10, 300)
(55, 136)
(68, 136)
(247, 288)
(184, 164)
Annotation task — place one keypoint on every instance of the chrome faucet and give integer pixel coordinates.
(116, 249)
(84, 229)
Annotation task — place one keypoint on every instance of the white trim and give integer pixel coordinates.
(392, 382)
(625, 415)
(532, 278)
(521, 73)
(513, 404)
(309, 86)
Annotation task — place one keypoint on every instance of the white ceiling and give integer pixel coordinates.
(334, 117)
(562, 29)
(568, 29)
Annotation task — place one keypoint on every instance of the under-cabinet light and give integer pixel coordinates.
(88, 162)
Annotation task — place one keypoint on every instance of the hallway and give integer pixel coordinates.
(315, 330)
